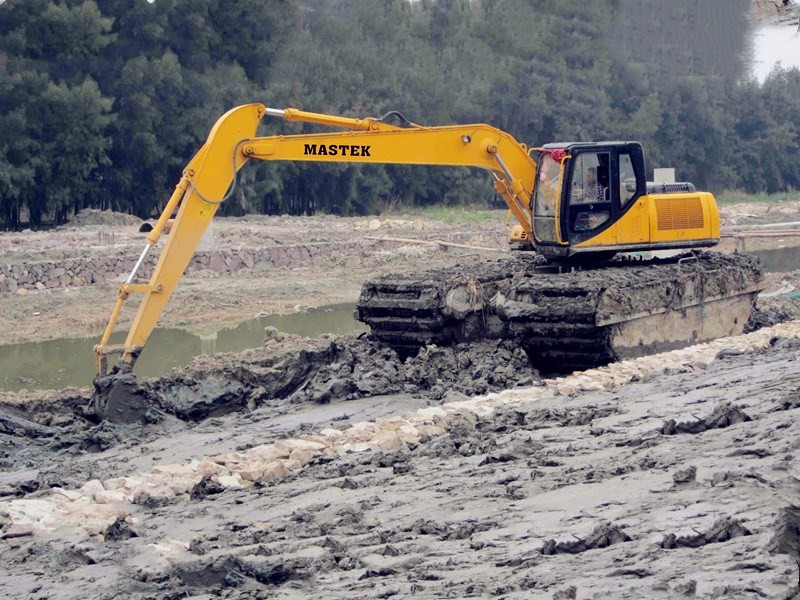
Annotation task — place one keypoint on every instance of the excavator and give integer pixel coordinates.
(567, 300)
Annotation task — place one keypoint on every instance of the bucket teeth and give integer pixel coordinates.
(571, 320)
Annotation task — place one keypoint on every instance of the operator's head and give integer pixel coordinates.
(591, 176)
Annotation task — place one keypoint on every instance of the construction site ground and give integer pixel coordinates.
(670, 476)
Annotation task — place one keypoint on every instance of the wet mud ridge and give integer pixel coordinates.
(568, 320)
(295, 370)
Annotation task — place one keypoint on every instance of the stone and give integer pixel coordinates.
(302, 456)
(686, 475)
(265, 452)
(388, 440)
(217, 264)
(110, 497)
(374, 225)
(91, 487)
(207, 467)
(272, 471)
(230, 481)
(287, 446)
(251, 473)
(174, 469)
(332, 434)
(71, 495)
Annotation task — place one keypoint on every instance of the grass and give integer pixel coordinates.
(451, 215)
(738, 197)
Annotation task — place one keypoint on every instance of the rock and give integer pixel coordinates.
(230, 481)
(265, 453)
(333, 434)
(207, 467)
(217, 263)
(388, 440)
(110, 497)
(251, 473)
(173, 469)
(374, 225)
(272, 471)
(22, 529)
(685, 475)
(71, 495)
(206, 487)
(303, 456)
(119, 530)
(90, 488)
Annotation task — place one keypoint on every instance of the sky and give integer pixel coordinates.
(775, 43)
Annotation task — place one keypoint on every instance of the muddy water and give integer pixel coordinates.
(779, 260)
(70, 361)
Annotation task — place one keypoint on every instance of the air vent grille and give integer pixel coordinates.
(679, 213)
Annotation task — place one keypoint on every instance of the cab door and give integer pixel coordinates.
(590, 199)
(547, 201)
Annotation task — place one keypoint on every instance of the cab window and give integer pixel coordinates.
(590, 199)
(547, 187)
(627, 179)
(589, 183)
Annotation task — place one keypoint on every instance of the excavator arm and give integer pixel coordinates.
(210, 177)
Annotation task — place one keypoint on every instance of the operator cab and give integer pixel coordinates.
(582, 189)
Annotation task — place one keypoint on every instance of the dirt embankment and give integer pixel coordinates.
(209, 299)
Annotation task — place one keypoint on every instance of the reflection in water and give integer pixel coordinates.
(208, 343)
(70, 362)
(772, 44)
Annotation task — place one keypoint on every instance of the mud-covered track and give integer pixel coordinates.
(572, 319)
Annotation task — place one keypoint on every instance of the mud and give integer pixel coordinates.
(567, 318)
(298, 370)
(566, 497)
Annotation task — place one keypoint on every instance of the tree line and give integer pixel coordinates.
(103, 102)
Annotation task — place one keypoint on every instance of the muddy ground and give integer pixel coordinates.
(681, 483)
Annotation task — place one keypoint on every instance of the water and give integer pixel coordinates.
(56, 364)
(773, 44)
(779, 260)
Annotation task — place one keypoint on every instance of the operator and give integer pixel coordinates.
(592, 193)
(592, 190)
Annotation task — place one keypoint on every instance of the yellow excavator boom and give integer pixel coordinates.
(208, 178)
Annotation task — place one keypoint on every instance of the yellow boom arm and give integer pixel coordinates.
(232, 143)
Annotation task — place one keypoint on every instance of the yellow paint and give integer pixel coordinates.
(641, 224)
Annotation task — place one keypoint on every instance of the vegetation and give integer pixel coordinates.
(102, 102)
(739, 197)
